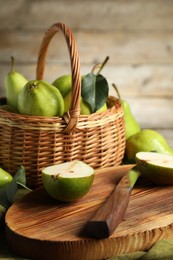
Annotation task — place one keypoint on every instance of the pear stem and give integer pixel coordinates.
(117, 91)
(100, 66)
(12, 63)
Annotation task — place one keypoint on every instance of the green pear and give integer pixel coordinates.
(5, 177)
(39, 98)
(14, 83)
(131, 125)
(85, 108)
(146, 140)
(64, 84)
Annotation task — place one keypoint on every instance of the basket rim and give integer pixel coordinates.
(51, 123)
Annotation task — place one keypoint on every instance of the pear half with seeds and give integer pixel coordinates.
(156, 167)
(68, 181)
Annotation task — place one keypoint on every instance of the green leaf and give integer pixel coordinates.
(94, 90)
(8, 192)
(102, 89)
(88, 89)
(13, 186)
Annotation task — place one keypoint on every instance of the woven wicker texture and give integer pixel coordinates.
(37, 142)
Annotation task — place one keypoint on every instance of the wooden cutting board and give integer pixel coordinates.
(38, 227)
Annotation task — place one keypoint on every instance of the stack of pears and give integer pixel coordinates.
(40, 98)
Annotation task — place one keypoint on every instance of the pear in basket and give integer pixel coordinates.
(14, 82)
(40, 98)
(64, 84)
(85, 108)
(94, 90)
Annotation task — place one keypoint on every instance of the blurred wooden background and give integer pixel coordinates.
(137, 35)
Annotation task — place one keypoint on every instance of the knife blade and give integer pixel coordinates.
(106, 219)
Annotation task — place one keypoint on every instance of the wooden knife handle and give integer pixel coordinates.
(110, 214)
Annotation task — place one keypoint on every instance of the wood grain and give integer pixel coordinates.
(106, 219)
(119, 14)
(139, 47)
(38, 227)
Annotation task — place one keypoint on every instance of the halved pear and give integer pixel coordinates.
(68, 181)
(157, 167)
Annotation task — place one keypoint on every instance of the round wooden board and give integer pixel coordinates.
(39, 227)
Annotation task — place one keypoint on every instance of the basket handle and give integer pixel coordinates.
(71, 117)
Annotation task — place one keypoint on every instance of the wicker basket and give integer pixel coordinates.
(37, 142)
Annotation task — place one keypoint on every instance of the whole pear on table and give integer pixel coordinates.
(147, 140)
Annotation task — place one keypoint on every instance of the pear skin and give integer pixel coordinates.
(64, 84)
(147, 140)
(131, 125)
(40, 98)
(5, 178)
(14, 82)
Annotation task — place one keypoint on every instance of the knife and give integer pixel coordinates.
(104, 222)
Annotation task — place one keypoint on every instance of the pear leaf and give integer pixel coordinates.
(13, 186)
(94, 90)
(102, 89)
(8, 192)
(88, 89)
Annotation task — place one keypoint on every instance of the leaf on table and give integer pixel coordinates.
(8, 192)
(13, 186)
